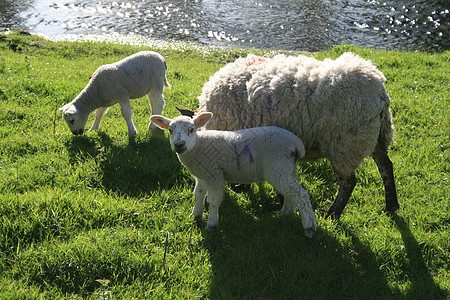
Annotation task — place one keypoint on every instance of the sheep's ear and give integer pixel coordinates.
(160, 121)
(202, 119)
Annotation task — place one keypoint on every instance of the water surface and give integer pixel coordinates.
(309, 25)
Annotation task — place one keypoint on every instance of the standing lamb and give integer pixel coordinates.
(243, 156)
(339, 108)
(135, 76)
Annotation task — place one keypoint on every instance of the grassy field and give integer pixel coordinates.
(99, 217)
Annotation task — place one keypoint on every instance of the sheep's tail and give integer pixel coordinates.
(386, 137)
(166, 82)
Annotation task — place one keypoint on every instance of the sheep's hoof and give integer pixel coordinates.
(391, 209)
(309, 232)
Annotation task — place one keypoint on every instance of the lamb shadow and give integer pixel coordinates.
(141, 166)
(265, 256)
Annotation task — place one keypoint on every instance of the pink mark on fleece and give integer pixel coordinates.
(256, 60)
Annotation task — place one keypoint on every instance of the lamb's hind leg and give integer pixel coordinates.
(157, 104)
(346, 186)
(386, 170)
(99, 112)
(294, 194)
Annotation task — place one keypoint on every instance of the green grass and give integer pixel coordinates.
(98, 217)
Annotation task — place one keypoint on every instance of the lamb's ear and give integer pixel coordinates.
(69, 109)
(160, 121)
(64, 108)
(202, 119)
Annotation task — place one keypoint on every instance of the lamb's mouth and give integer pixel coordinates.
(179, 148)
(77, 132)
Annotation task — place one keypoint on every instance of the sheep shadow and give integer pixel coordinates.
(139, 167)
(415, 267)
(267, 257)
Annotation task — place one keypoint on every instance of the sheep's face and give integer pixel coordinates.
(74, 118)
(183, 130)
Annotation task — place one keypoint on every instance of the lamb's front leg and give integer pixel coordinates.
(199, 193)
(215, 197)
(126, 114)
(99, 112)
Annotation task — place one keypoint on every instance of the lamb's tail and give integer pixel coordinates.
(299, 152)
(166, 83)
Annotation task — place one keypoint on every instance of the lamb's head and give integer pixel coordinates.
(183, 130)
(74, 118)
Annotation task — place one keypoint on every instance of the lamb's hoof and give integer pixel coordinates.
(286, 211)
(211, 227)
(309, 232)
(152, 127)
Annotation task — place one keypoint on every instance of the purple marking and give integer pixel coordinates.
(246, 151)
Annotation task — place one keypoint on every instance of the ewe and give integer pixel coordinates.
(135, 76)
(339, 108)
(243, 156)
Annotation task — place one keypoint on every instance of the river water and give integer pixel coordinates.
(308, 25)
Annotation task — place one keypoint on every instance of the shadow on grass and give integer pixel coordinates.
(134, 169)
(267, 257)
(421, 279)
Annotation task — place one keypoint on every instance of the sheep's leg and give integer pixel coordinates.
(386, 170)
(199, 193)
(346, 186)
(99, 113)
(157, 104)
(294, 194)
(126, 114)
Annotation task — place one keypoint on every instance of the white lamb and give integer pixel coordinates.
(339, 108)
(135, 76)
(244, 156)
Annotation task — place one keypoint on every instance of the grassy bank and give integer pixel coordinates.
(95, 216)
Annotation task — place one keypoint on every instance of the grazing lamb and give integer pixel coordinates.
(244, 156)
(135, 76)
(339, 108)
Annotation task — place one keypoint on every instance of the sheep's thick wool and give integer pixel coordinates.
(337, 107)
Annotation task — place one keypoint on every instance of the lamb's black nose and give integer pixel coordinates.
(179, 148)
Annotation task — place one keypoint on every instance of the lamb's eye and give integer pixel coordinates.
(72, 121)
(170, 130)
(191, 131)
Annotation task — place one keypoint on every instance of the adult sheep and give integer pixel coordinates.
(338, 108)
(143, 73)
